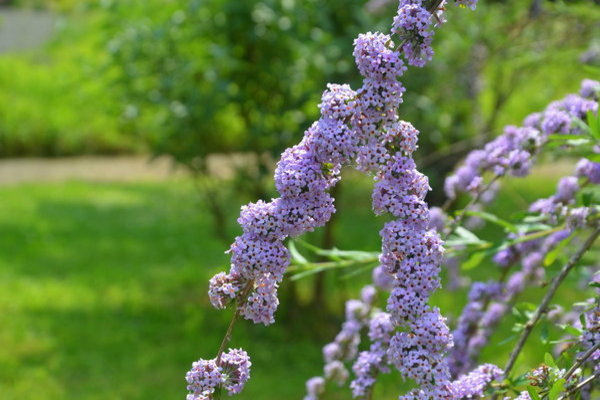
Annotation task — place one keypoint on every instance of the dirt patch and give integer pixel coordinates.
(143, 168)
(115, 169)
(120, 169)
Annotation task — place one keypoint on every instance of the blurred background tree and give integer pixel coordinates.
(190, 78)
(193, 78)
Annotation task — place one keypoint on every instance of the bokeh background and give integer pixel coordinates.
(131, 131)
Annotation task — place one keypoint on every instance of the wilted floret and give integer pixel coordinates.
(314, 387)
(466, 3)
(335, 371)
(235, 370)
(224, 288)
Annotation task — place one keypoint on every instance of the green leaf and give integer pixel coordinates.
(557, 388)
(296, 256)
(549, 360)
(594, 124)
(520, 380)
(571, 330)
(466, 234)
(544, 334)
(493, 219)
(533, 393)
(586, 198)
(578, 142)
(525, 305)
(559, 137)
(464, 237)
(337, 254)
(359, 270)
(553, 254)
(307, 272)
(582, 125)
(593, 157)
(508, 339)
(474, 260)
(532, 227)
(571, 340)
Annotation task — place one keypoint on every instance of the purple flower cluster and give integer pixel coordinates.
(360, 128)
(479, 297)
(473, 384)
(522, 396)
(414, 23)
(585, 316)
(559, 205)
(590, 89)
(489, 302)
(345, 346)
(303, 175)
(513, 151)
(373, 361)
(591, 333)
(412, 253)
(588, 170)
(314, 387)
(230, 372)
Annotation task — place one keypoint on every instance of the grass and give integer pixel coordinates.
(103, 294)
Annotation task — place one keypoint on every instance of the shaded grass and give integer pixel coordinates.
(103, 293)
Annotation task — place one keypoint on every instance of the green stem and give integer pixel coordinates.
(234, 318)
(542, 308)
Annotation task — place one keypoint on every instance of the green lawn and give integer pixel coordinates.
(103, 293)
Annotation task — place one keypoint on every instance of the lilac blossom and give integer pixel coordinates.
(482, 314)
(382, 279)
(590, 89)
(335, 371)
(224, 288)
(204, 377)
(591, 334)
(411, 253)
(231, 372)
(373, 361)
(235, 370)
(345, 345)
(314, 388)
(513, 151)
(473, 384)
(589, 170)
(523, 396)
(361, 128)
(479, 296)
